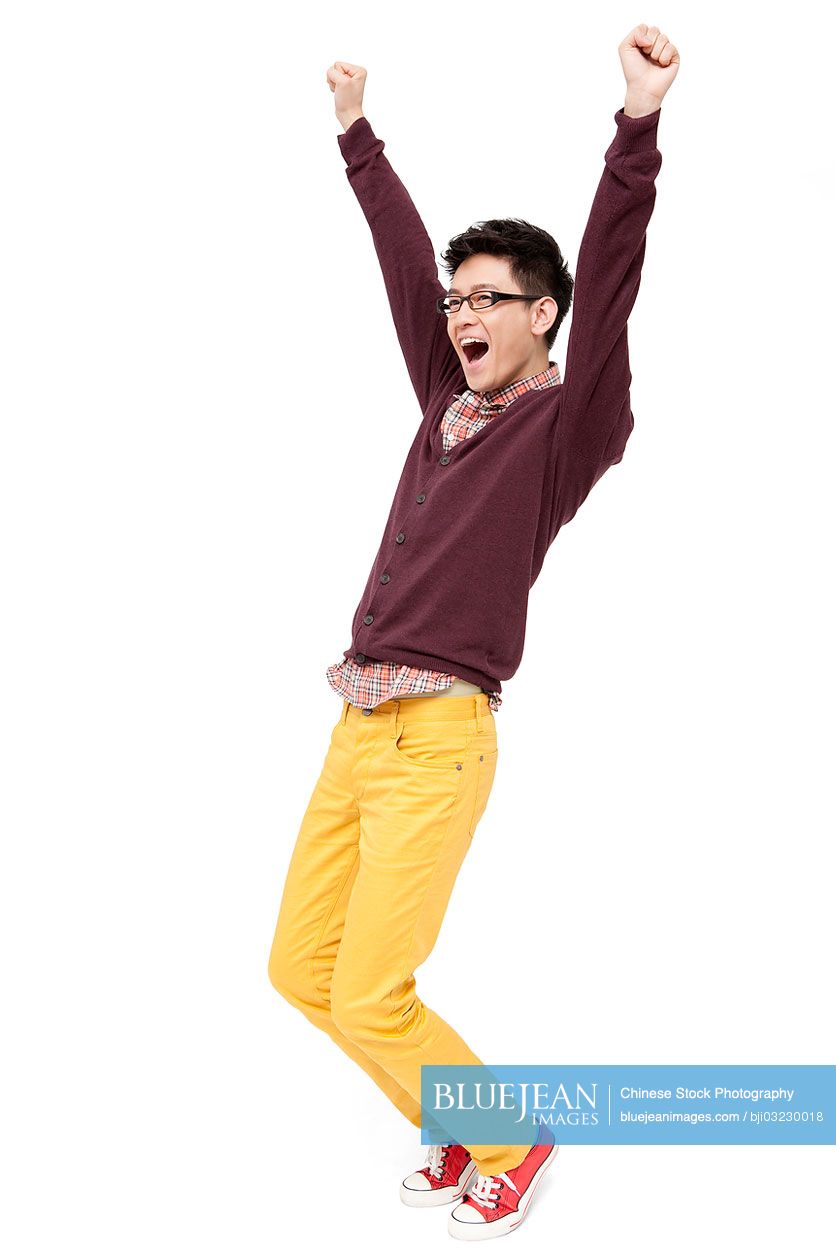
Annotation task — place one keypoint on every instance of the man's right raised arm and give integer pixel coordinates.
(403, 247)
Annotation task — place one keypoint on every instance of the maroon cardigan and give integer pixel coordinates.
(468, 530)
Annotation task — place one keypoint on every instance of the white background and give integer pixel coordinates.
(204, 417)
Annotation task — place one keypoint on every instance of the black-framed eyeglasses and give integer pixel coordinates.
(478, 300)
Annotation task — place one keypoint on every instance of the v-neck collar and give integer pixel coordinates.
(502, 398)
(438, 434)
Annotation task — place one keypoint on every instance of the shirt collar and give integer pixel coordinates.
(497, 398)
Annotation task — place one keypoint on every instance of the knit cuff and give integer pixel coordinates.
(356, 139)
(638, 134)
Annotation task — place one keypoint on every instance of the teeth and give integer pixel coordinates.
(472, 340)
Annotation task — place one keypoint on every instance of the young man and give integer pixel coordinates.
(494, 471)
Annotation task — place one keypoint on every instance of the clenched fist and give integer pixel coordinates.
(650, 63)
(347, 82)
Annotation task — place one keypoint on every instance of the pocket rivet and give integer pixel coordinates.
(458, 766)
(481, 758)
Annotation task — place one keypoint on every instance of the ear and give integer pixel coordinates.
(543, 314)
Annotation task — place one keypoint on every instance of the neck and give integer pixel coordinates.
(532, 367)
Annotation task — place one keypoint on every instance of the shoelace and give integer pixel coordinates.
(435, 1158)
(482, 1191)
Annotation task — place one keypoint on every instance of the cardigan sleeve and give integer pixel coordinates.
(595, 419)
(406, 257)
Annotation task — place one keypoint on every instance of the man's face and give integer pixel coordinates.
(514, 331)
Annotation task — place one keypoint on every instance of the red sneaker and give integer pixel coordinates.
(443, 1179)
(496, 1205)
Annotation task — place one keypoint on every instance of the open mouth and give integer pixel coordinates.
(474, 350)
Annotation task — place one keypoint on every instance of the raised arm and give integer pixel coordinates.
(595, 418)
(403, 247)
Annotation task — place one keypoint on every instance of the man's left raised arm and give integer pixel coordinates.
(595, 419)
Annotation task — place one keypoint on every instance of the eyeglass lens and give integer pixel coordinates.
(479, 300)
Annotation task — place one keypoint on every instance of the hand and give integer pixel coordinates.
(650, 64)
(347, 82)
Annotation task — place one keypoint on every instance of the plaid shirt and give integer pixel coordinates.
(371, 683)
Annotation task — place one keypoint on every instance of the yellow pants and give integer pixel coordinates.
(388, 825)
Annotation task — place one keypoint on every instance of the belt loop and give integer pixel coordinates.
(479, 712)
(344, 714)
(395, 723)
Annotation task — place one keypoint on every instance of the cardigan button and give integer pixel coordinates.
(368, 618)
(444, 460)
(400, 538)
(384, 579)
(361, 657)
(422, 496)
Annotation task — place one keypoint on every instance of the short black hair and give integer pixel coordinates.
(535, 260)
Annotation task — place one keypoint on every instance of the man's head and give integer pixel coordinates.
(511, 256)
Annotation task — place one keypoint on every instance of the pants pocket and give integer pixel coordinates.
(433, 746)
